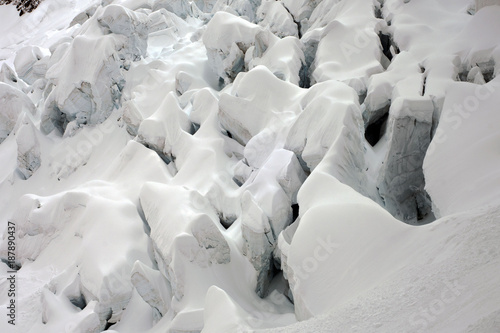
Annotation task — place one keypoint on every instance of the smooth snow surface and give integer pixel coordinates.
(251, 166)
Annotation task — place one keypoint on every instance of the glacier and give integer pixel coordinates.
(250, 166)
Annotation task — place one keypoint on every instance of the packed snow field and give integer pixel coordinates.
(239, 166)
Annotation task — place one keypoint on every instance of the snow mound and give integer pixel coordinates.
(227, 40)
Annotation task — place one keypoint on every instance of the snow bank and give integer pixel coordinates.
(199, 166)
(227, 40)
(28, 149)
(247, 114)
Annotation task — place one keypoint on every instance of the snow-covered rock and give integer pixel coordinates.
(74, 220)
(59, 314)
(162, 19)
(132, 117)
(291, 177)
(84, 15)
(282, 249)
(265, 214)
(83, 94)
(301, 10)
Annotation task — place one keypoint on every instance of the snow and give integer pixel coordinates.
(269, 166)
(463, 136)
(484, 3)
(274, 16)
(43, 27)
(348, 48)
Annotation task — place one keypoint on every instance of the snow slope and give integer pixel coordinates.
(234, 166)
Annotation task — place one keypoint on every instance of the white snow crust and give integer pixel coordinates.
(251, 166)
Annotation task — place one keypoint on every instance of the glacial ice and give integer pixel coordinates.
(28, 149)
(272, 166)
(227, 55)
(184, 235)
(401, 181)
(15, 105)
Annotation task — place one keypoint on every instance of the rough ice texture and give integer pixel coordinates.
(484, 3)
(153, 288)
(103, 270)
(401, 180)
(28, 149)
(164, 129)
(347, 50)
(180, 8)
(228, 38)
(317, 128)
(251, 111)
(274, 16)
(285, 58)
(182, 232)
(380, 86)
